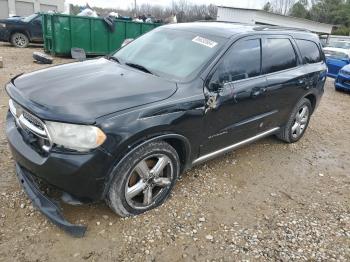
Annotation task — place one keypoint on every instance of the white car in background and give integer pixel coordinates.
(337, 56)
(338, 46)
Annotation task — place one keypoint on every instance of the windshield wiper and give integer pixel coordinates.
(113, 58)
(140, 67)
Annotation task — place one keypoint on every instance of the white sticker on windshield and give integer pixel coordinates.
(204, 41)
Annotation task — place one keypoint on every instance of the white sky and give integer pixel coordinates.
(128, 3)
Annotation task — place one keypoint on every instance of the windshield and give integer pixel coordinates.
(28, 18)
(172, 54)
(340, 44)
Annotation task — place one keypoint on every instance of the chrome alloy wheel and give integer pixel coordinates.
(20, 40)
(150, 178)
(300, 122)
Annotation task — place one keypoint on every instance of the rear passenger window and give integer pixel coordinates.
(309, 51)
(278, 55)
(242, 61)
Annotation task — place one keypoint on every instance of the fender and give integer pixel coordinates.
(138, 145)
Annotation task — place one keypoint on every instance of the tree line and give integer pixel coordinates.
(184, 10)
(336, 12)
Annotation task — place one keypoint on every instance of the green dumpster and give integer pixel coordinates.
(63, 32)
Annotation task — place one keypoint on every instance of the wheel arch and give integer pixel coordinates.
(179, 142)
(22, 31)
(313, 100)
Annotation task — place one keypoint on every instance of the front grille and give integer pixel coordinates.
(32, 128)
(34, 120)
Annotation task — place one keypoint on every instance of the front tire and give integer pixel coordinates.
(19, 40)
(297, 123)
(144, 180)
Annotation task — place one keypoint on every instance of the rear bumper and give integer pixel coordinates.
(46, 206)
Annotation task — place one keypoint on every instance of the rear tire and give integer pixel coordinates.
(144, 180)
(297, 123)
(19, 40)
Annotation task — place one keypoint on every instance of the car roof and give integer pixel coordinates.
(229, 29)
(212, 28)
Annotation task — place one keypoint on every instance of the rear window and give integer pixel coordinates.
(309, 51)
(278, 55)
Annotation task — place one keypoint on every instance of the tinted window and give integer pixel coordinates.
(242, 61)
(279, 55)
(309, 51)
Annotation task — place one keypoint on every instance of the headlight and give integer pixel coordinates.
(76, 137)
(2, 25)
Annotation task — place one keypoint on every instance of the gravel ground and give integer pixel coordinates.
(266, 201)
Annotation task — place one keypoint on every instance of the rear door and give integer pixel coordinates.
(314, 63)
(286, 76)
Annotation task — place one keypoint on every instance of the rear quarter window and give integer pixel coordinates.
(309, 51)
(278, 55)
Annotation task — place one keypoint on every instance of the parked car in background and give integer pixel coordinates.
(123, 127)
(336, 58)
(340, 44)
(20, 31)
(342, 81)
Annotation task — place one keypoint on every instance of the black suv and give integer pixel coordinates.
(122, 128)
(20, 31)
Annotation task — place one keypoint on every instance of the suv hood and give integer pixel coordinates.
(80, 92)
(12, 20)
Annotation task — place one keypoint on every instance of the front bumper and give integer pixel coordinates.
(342, 82)
(4, 35)
(46, 206)
(81, 175)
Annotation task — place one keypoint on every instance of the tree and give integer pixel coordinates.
(299, 9)
(328, 11)
(282, 6)
(268, 7)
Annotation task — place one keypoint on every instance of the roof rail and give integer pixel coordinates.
(221, 21)
(279, 28)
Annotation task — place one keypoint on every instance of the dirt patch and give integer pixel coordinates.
(266, 201)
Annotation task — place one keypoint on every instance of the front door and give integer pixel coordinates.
(35, 28)
(237, 106)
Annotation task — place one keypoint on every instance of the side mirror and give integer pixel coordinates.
(215, 86)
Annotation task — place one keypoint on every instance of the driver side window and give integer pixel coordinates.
(242, 61)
